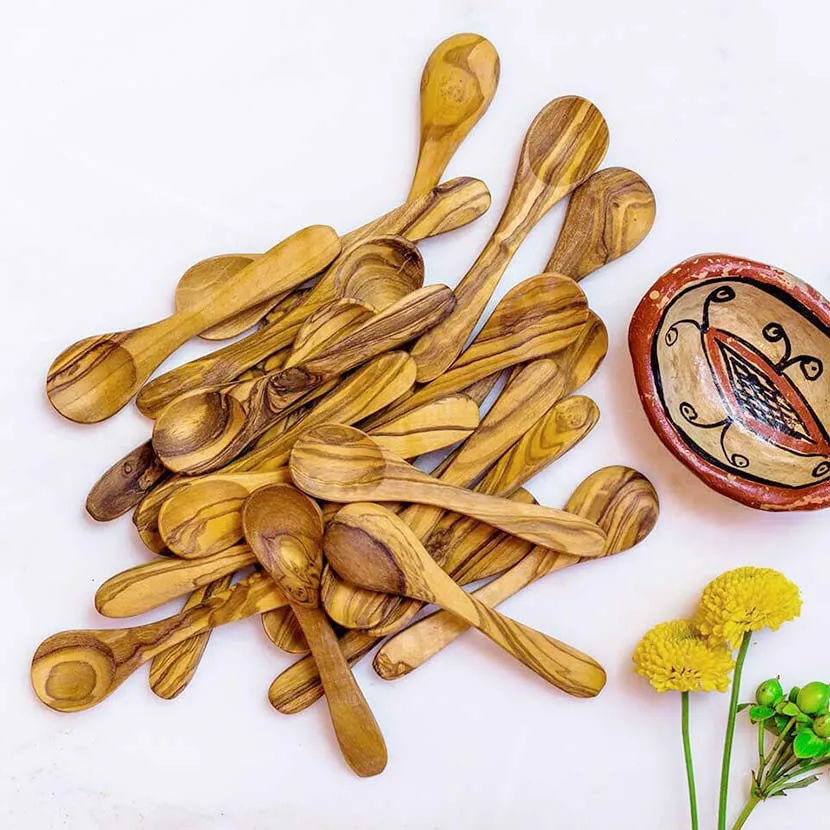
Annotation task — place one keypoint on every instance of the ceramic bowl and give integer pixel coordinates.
(732, 363)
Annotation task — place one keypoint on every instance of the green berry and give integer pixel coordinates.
(821, 726)
(793, 695)
(813, 697)
(769, 693)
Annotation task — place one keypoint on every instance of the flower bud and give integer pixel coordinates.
(812, 699)
(769, 692)
(821, 726)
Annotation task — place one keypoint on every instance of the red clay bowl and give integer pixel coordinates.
(732, 363)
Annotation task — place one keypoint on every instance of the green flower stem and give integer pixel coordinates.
(751, 804)
(782, 783)
(687, 753)
(762, 750)
(781, 750)
(730, 731)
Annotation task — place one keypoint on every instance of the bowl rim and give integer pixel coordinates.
(642, 329)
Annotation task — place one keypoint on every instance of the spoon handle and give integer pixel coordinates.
(415, 645)
(357, 731)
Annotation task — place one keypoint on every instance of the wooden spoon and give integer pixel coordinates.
(203, 430)
(74, 670)
(285, 530)
(94, 378)
(608, 215)
(457, 86)
(563, 146)
(204, 517)
(343, 464)
(620, 500)
(536, 318)
(377, 271)
(364, 392)
(370, 546)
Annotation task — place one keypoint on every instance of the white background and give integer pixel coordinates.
(137, 138)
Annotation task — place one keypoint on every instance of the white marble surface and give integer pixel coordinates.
(137, 138)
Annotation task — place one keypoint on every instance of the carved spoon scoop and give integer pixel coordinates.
(284, 528)
(373, 548)
(343, 464)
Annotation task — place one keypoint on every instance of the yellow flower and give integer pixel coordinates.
(746, 599)
(673, 657)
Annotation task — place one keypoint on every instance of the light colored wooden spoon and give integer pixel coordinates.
(283, 630)
(94, 378)
(379, 271)
(364, 392)
(620, 500)
(204, 516)
(343, 464)
(608, 215)
(370, 546)
(203, 430)
(536, 318)
(457, 86)
(563, 146)
(284, 528)
(74, 670)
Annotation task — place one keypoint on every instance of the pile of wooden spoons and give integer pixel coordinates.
(279, 477)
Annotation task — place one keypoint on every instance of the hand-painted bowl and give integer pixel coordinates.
(732, 363)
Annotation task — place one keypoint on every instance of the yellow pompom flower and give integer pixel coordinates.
(674, 657)
(743, 600)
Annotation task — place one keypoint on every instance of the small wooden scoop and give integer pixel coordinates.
(94, 378)
(203, 430)
(74, 670)
(378, 271)
(370, 546)
(285, 530)
(620, 500)
(536, 318)
(563, 146)
(608, 215)
(343, 464)
(457, 86)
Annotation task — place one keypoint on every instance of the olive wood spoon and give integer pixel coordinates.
(284, 528)
(534, 389)
(94, 378)
(343, 464)
(448, 206)
(283, 630)
(564, 144)
(203, 430)
(204, 517)
(364, 392)
(173, 669)
(608, 216)
(620, 500)
(536, 318)
(457, 86)
(371, 546)
(74, 670)
(378, 271)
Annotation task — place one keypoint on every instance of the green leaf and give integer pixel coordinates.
(789, 709)
(825, 752)
(808, 745)
(743, 706)
(802, 783)
(759, 713)
(781, 722)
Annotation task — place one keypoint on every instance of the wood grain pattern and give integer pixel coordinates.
(343, 464)
(367, 390)
(203, 430)
(536, 318)
(609, 214)
(564, 144)
(457, 86)
(204, 516)
(299, 685)
(152, 584)
(172, 670)
(372, 547)
(354, 273)
(74, 670)
(285, 530)
(283, 629)
(209, 275)
(619, 499)
(95, 377)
